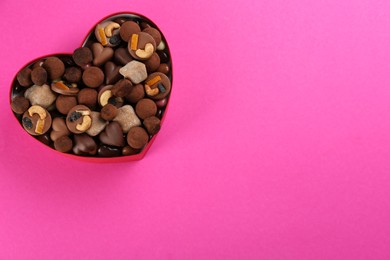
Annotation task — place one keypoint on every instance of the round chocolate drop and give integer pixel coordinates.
(39, 76)
(93, 77)
(20, 105)
(54, 67)
(154, 33)
(63, 144)
(88, 97)
(136, 93)
(24, 77)
(65, 103)
(146, 108)
(73, 74)
(127, 29)
(137, 137)
(82, 56)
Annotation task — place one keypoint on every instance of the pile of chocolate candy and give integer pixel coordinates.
(106, 99)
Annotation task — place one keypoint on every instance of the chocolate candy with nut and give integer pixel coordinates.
(106, 99)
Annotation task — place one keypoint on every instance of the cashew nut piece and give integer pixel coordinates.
(83, 112)
(105, 96)
(85, 124)
(110, 27)
(42, 115)
(146, 53)
(151, 92)
(37, 110)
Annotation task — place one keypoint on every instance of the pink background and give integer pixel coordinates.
(276, 145)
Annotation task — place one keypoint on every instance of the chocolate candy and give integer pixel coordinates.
(65, 103)
(24, 77)
(84, 145)
(64, 88)
(109, 112)
(135, 71)
(163, 68)
(106, 99)
(154, 33)
(127, 118)
(122, 88)
(73, 74)
(157, 86)
(153, 63)
(82, 56)
(127, 29)
(146, 108)
(39, 76)
(107, 33)
(40, 95)
(59, 129)
(137, 137)
(141, 46)
(112, 135)
(54, 67)
(136, 93)
(108, 151)
(88, 97)
(111, 70)
(63, 144)
(122, 56)
(93, 77)
(127, 150)
(20, 105)
(36, 120)
(98, 124)
(101, 54)
(79, 119)
(152, 125)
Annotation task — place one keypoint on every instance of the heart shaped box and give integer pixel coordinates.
(135, 157)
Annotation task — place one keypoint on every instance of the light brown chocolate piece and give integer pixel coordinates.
(79, 119)
(36, 120)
